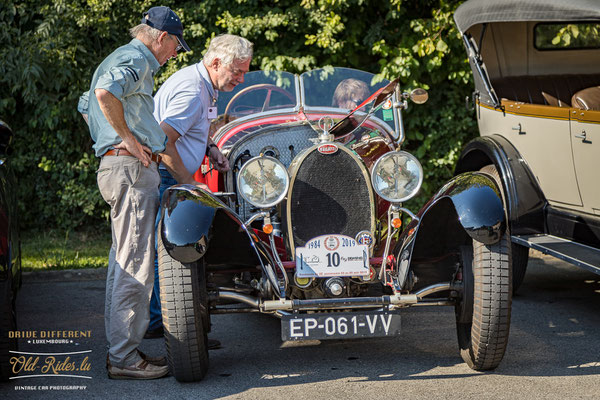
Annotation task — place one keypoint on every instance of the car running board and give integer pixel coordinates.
(575, 253)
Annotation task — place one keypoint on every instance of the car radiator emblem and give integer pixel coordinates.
(327, 149)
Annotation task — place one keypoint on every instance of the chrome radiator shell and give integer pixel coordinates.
(328, 194)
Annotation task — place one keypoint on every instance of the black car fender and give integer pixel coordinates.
(468, 207)
(195, 224)
(525, 200)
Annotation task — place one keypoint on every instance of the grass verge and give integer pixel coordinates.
(55, 250)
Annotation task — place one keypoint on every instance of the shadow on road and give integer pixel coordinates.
(554, 333)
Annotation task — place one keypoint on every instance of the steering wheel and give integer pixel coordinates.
(261, 86)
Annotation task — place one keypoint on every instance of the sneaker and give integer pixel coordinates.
(140, 370)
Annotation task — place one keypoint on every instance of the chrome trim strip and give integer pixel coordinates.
(227, 127)
(529, 241)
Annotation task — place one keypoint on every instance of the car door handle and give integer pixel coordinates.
(518, 128)
(583, 137)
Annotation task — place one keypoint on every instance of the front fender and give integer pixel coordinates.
(468, 207)
(478, 204)
(525, 200)
(196, 224)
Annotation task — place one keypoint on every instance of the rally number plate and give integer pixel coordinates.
(342, 325)
(332, 255)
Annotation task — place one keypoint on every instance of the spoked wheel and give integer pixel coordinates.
(483, 314)
(186, 321)
(520, 254)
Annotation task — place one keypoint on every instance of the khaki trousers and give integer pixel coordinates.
(131, 190)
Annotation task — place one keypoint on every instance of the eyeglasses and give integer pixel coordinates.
(179, 45)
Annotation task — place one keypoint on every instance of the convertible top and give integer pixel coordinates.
(475, 12)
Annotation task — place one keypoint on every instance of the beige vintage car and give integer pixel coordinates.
(536, 67)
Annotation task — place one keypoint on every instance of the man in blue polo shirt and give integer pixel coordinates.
(185, 105)
(128, 139)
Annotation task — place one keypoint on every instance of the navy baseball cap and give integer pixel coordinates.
(164, 19)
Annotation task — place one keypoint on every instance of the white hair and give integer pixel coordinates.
(227, 48)
(144, 31)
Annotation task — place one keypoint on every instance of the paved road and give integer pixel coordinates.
(553, 351)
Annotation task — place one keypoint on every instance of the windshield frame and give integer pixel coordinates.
(393, 128)
(305, 111)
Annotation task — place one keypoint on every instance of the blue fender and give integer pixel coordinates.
(468, 207)
(196, 224)
(525, 201)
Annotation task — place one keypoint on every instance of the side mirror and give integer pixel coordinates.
(419, 96)
(6, 135)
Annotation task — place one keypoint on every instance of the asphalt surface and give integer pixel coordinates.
(553, 350)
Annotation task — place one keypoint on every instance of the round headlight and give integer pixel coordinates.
(397, 176)
(263, 181)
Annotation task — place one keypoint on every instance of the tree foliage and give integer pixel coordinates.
(51, 48)
(564, 36)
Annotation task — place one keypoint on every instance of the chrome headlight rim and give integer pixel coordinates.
(402, 153)
(279, 198)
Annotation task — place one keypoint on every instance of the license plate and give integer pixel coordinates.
(332, 255)
(342, 325)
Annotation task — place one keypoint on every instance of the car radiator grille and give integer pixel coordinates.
(330, 194)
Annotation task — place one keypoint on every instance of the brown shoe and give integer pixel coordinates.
(160, 361)
(140, 370)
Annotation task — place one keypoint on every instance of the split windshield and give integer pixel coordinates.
(335, 91)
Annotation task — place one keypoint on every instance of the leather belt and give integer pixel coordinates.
(121, 152)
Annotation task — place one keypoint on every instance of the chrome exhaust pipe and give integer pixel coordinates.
(438, 287)
(241, 298)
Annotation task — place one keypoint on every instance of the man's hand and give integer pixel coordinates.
(112, 108)
(218, 159)
(139, 151)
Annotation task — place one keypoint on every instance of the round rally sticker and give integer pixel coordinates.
(365, 237)
(331, 243)
(387, 105)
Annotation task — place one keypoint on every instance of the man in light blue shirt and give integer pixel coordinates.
(185, 105)
(119, 107)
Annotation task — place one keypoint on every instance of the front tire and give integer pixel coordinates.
(520, 254)
(483, 332)
(184, 304)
